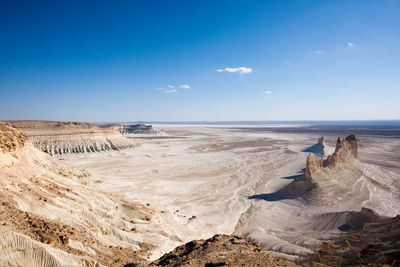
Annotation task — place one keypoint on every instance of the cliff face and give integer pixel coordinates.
(72, 137)
(313, 165)
(49, 217)
(346, 150)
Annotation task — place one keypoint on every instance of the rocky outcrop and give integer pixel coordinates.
(72, 137)
(312, 165)
(50, 217)
(139, 129)
(371, 240)
(11, 140)
(346, 150)
(220, 250)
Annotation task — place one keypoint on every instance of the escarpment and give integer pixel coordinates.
(50, 217)
(72, 137)
(134, 129)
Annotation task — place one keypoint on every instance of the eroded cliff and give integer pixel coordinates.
(72, 137)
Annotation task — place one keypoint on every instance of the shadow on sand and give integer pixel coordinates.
(301, 187)
(317, 149)
(292, 177)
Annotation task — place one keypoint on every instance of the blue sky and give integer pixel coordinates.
(243, 60)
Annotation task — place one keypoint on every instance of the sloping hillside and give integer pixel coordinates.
(49, 216)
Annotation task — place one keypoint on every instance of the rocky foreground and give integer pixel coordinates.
(72, 137)
(220, 250)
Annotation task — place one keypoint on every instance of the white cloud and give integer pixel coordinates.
(318, 52)
(266, 93)
(171, 86)
(350, 45)
(241, 70)
(160, 89)
(286, 62)
(184, 86)
(170, 91)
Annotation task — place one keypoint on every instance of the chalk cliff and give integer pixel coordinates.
(72, 137)
(134, 129)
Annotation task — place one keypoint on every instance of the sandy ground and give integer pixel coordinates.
(203, 180)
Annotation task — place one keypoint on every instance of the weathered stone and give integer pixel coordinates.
(312, 165)
(72, 137)
(345, 151)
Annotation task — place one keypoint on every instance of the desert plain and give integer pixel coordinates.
(202, 180)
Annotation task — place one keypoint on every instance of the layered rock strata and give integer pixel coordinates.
(313, 165)
(139, 129)
(72, 137)
(346, 151)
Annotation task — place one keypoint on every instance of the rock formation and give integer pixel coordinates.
(72, 137)
(140, 129)
(127, 129)
(346, 150)
(312, 165)
(220, 250)
(50, 217)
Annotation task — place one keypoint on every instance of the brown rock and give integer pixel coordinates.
(346, 150)
(312, 165)
(220, 250)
